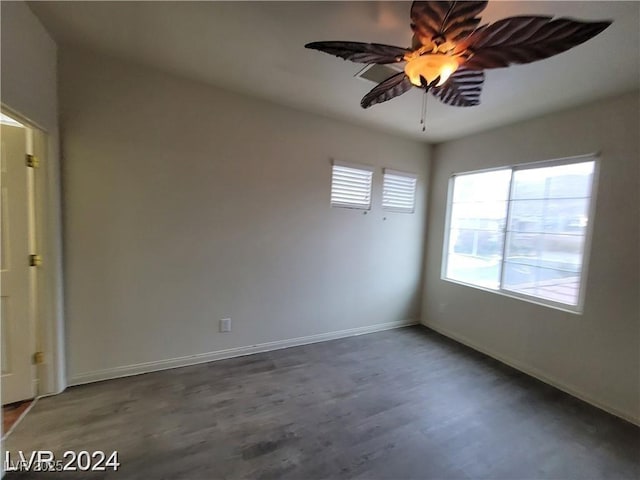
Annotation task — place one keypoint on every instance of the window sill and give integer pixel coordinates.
(576, 310)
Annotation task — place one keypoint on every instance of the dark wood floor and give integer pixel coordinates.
(400, 404)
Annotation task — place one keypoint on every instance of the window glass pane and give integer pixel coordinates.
(562, 252)
(547, 226)
(474, 257)
(563, 181)
(477, 224)
(479, 216)
(565, 215)
(482, 187)
(478, 243)
(555, 285)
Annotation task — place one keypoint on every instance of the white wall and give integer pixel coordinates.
(185, 204)
(28, 65)
(595, 355)
(29, 88)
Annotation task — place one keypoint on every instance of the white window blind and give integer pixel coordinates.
(399, 191)
(351, 186)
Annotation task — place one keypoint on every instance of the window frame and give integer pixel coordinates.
(586, 254)
(355, 166)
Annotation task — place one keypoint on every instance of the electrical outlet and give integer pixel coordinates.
(225, 325)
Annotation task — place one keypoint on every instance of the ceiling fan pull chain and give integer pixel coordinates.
(423, 113)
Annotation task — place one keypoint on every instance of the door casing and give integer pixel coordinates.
(48, 294)
(18, 278)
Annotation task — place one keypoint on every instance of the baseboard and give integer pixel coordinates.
(571, 390)
(140, 368)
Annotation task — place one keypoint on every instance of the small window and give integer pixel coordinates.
(351, 186)
(522, 230)
(399, 191)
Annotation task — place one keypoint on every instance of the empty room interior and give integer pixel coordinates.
(320, 240)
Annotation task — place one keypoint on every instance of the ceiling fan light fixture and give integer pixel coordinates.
(431, 66)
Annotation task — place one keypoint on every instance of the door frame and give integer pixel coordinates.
(49, 332)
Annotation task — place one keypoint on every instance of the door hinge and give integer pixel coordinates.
(35, 260)
(32, 161)
(38, 358)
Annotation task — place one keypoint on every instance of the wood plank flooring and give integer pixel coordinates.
(399, 404)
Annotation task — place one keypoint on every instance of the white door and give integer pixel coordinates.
(17, 350)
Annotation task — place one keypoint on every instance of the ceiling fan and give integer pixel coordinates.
(449, 51)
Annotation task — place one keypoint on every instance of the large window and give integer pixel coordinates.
(522, 230)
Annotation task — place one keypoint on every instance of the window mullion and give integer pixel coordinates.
(505, 230)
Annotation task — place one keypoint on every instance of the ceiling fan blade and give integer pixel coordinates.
(447, 20)
(427, 18)
(461, 30)
(361, 52)
(462, 89)
(392, 87)
(525, 39)
(462, 19)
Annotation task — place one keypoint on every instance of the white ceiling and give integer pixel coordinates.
(257, 48)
